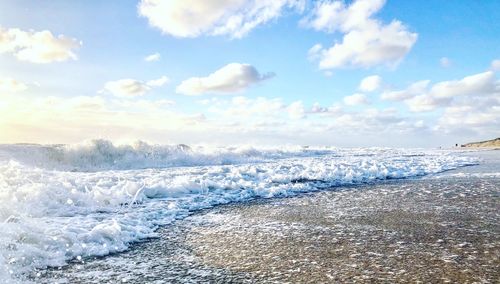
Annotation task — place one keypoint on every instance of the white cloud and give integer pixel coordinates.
(145, 105)
(9, 85)
(259, 106)
(232, 78)
(423, 97)
(366, 42)
(194, 119)
(238, 119)
(126, 88)
(423, 103)
(370, 83)
(419, 124)
(152, 57)
(317, 108)
(333, 110)
(132, 87)
(314, 52)
(480, 115)
(296, 110)
(475, 84)
(37, 47)
(266, 109)
(158, 82)
(413, 90)
(208, 101)
(328, 73)
(370, 121)
(240, 106)
(192, 18)
(73, 119)
(90, 103)
(445, 62)
(332, 16)
(420, 97)
(356, 99)
(495, 65)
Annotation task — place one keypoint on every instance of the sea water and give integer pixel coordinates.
(65, 202)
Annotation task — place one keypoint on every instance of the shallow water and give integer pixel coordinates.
(61, 203)
(440, 228)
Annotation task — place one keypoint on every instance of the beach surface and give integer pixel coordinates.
(440, 228)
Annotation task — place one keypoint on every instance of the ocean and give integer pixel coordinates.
(63, 204)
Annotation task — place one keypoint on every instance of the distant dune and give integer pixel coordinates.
(494, 143)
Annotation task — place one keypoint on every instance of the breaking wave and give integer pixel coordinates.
(64, 202)
(97, 155)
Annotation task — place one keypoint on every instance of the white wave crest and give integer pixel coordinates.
(97, 155)
(49, 216)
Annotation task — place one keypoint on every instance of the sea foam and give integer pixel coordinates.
(64, 202)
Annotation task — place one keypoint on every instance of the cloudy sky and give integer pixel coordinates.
(343, 73)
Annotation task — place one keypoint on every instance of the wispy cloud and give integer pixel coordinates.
(370, 83)
(411, 91)
(38, 47)
(244, 107)
(190, 18)
(78, 118)
(495, 65)
(230, 79)
(158, 82)
(152, 57)
(296, 110)
(445, 62)
(133, 87)
(10, 85)
(356, 100)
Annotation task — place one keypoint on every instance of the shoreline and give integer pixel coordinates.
(404, 237)
(388, 231)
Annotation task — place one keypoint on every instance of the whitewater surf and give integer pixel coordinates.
(64, 202)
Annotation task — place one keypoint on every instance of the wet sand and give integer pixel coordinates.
(386, 233)
(439, 229)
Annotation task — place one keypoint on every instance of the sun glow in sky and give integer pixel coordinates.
(342, 73)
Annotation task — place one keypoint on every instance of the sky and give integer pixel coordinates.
(260, 72)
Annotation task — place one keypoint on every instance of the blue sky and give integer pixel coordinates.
(273, 86)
